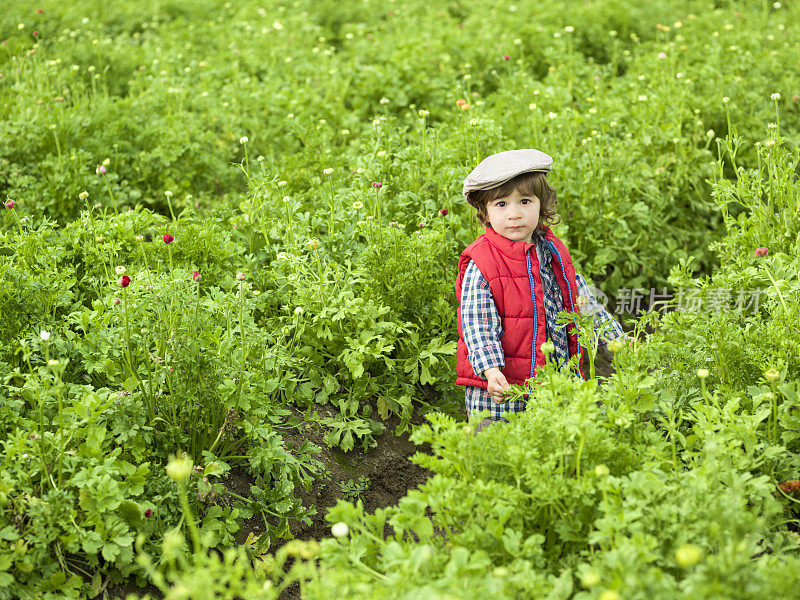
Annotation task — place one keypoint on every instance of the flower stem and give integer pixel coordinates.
(110, 193)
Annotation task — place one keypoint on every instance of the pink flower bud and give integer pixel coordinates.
(168, 239)
(762, 251)
(100, 170)
(10, 203)
(443, 212)
(124, 281)
(148, 512)
(421, 225)
(196, 275)
(506, 57)
(117, 301)
(377, 184)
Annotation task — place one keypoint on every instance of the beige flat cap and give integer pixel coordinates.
(498, 168)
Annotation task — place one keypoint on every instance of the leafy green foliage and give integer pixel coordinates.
(295, 290)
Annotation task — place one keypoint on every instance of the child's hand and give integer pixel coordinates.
(497, 384)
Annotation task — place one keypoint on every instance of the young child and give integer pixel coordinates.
(513, 281)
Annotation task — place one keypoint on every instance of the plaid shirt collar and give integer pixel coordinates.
(540, 241)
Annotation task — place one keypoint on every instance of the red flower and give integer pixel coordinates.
(168, 239)
(443, 212)
(421, 225)
(196, 275)
(124, 281)
(35, 32)
(10, 203)
(461, 102)
(40, 11)
(377, 184)
(506, 57)
(762, 251)
(117, 301)
(148, 512)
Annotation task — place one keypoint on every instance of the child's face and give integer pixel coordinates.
(515, 216)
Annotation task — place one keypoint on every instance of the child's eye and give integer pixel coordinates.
(501, 204)
(525, 201)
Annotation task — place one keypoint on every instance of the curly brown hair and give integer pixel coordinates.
(533, 184)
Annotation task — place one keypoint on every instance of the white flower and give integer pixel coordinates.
(376, 122)
(772, 126)
(424, 113)
(642, 98)
(710, 133)
(83, 195)
(473, 122)
(552, 115)
(775, 97)
(260, 158)
(345, 132)
(358, 205)
(120, 271)
(340, 529)
(702, 373)
(287, 199)
(662, 55)
(299, 310)
(282, 256)
(168, 194)
(243, 139)
(44, 335)
(282, 184)
(384, 100)
(328, 171)
(569, 29)
(725, 99)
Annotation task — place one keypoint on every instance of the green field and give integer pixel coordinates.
(227, 256)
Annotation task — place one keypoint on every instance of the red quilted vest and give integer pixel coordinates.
(512, 270)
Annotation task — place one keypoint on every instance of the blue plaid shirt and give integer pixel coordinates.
(482, 326)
